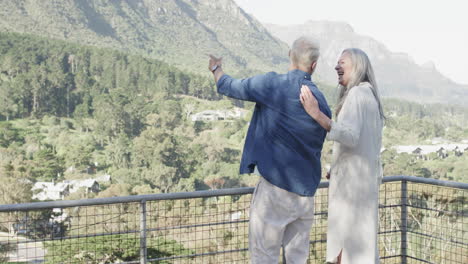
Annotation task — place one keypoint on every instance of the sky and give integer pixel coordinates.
(428, 30)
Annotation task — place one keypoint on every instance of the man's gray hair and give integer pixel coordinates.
(304, 51)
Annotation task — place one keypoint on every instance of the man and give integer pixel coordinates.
(283, 145)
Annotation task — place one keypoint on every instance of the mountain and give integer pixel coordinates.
(180, 32)
(397, 74)
(183, 32)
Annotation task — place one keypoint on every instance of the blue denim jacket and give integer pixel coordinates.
(283, 141)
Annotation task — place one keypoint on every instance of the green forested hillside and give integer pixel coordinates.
(415, 124)
(69, 111)
(66, 105)
(41, 76)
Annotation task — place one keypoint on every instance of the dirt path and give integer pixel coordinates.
(26, 250)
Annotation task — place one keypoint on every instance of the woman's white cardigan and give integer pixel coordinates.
(355, 178)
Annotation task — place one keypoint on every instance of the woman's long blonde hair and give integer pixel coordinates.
(361, 72)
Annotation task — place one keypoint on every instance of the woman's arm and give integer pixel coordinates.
(347, 131)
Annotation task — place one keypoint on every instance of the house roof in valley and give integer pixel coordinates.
(427, 149)
(55, 191)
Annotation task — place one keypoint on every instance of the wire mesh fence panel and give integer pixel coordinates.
(86, 234)
(23, 235)
(437, 224)
(318, 234)
(390, 222)
(102, 233)
(201, 230)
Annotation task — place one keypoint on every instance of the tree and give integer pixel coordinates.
(8, 104)
(11, 191)
(118, 152)
(46, 166)
(110, 116)
(39, 85)
(215, 181)
(9, 134)
(79, 155)
(83, 111)
(160, 177)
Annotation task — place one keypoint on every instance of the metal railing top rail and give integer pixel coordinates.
(452, 184)
(195, 194)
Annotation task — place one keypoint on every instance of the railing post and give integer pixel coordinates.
(404, 221)
(143, 256)
(284, 256)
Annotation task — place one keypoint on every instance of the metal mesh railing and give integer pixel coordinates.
(437, 224)
(421, 221)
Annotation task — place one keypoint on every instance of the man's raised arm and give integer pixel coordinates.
(254, 89)
(214, 66)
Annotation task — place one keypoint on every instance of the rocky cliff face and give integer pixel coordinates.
(397, 74)
(180, 32)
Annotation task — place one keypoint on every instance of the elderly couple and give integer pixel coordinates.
(283, 145)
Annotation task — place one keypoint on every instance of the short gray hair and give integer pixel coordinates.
(304, 51)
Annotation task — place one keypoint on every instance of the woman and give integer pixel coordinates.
(356, 171)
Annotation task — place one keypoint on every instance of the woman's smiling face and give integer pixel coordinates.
(344, 68)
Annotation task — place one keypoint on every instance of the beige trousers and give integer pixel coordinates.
(279, 218)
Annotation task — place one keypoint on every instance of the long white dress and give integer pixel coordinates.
(356, 174)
